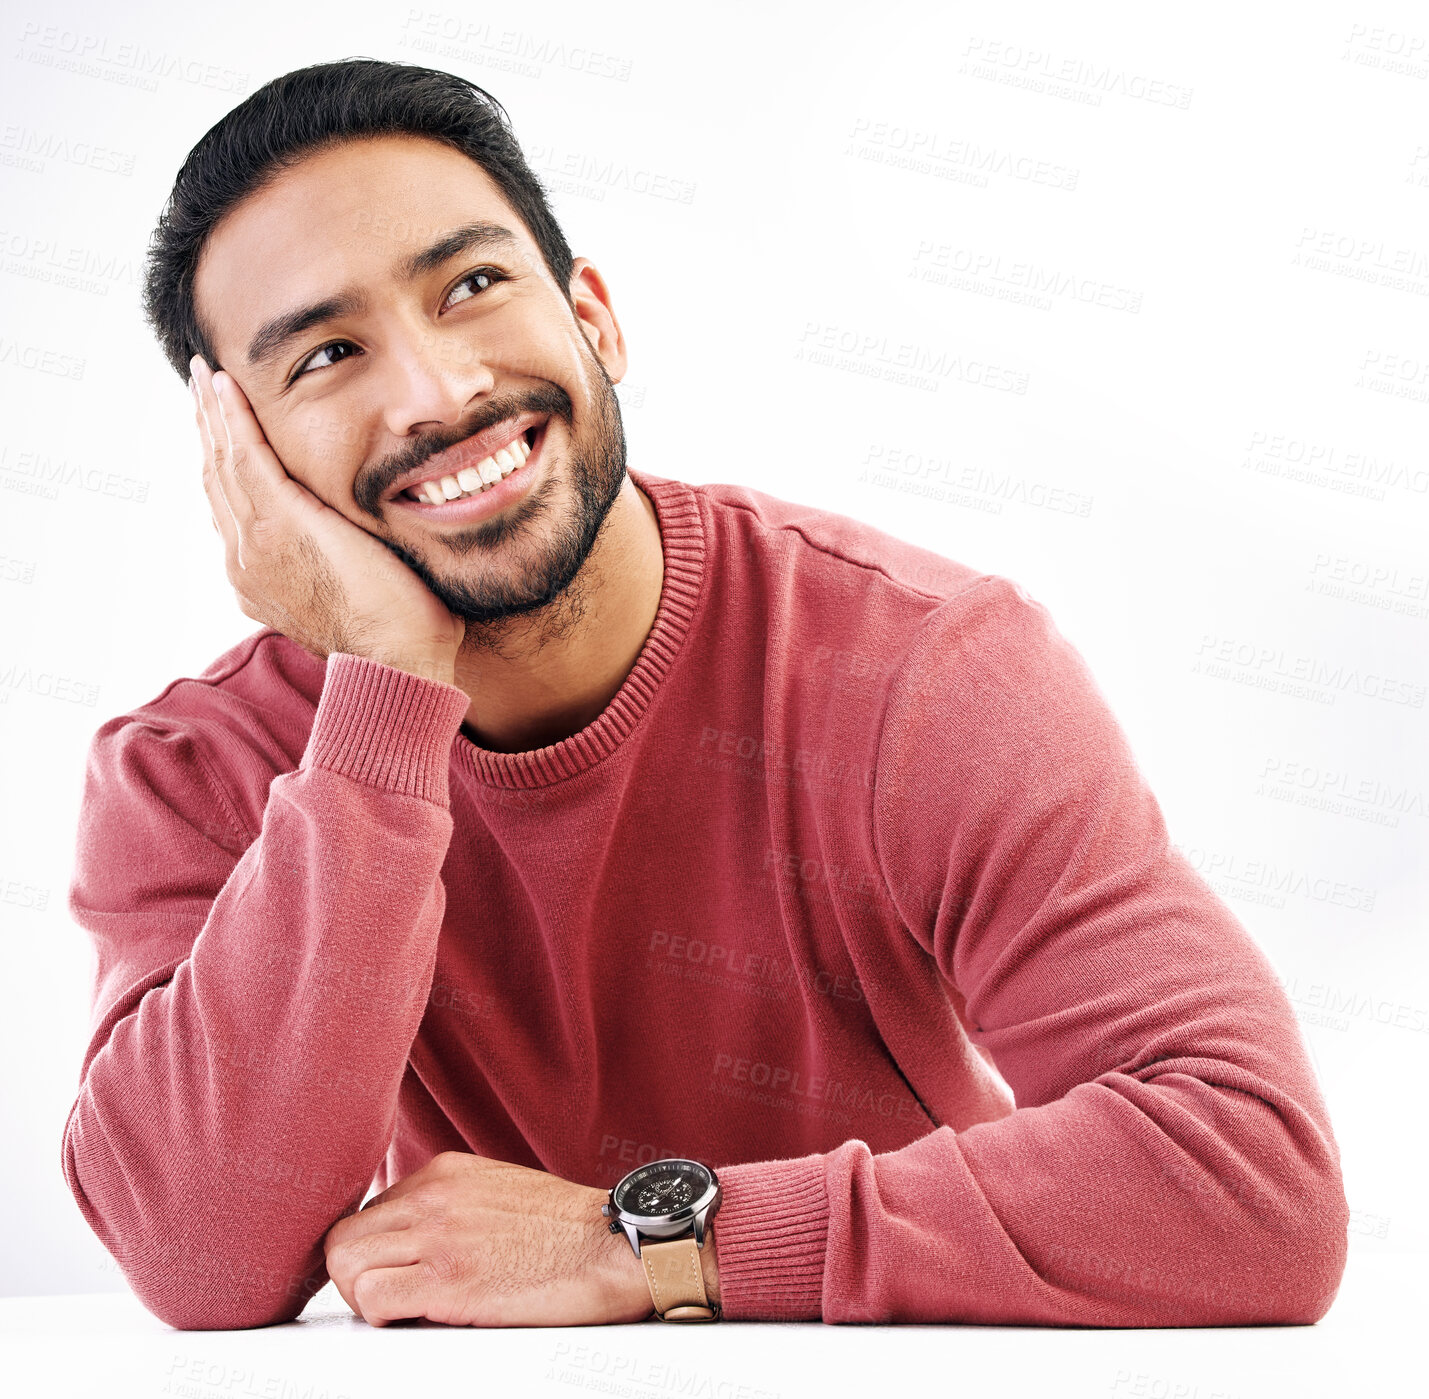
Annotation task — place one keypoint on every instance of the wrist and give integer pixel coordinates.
(627, 1293)
(709, 1265)
(438, 668)
(629, 1289)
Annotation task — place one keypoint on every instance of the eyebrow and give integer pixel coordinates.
(275, 335)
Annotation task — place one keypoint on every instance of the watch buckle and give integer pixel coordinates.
(693, 1312)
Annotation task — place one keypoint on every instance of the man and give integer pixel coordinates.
(562, 819)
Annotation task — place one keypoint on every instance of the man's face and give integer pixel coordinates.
(354, 403)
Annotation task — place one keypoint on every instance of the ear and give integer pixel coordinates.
(596, 317)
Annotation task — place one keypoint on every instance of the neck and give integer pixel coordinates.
(554, 671)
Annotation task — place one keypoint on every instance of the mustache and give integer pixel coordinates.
(551, 399)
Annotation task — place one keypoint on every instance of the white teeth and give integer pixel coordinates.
(472, 480)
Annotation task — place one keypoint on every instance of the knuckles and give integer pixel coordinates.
(262, 532)
(446, 1267)
(433, 1208)
(366, 1290)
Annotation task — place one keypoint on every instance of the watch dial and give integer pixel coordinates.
(664, 1196)
(662, 1187)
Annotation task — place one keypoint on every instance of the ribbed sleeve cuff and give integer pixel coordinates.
(386, 727)
(771, 1234)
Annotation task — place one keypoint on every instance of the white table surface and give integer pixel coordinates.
(1371, 1343)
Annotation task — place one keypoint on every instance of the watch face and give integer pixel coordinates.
(664, 1188)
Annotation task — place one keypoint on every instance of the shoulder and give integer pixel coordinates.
(910, 608)
(994, 693)
(838, 545)
(220, 734)
(852, 604)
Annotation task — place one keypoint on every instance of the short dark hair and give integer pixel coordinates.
(308, 110)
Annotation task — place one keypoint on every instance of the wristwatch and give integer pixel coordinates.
(665, 1209)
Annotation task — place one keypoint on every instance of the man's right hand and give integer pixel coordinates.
(300, 566)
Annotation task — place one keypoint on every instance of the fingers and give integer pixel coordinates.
(366, 1222)
(382, 1252)
(253, 480)
(242, 427)
(220, 476)
(218, 504)
(442, 1166)
(244, 455)
(382, 1295)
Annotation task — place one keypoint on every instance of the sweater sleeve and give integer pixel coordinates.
(1170, 1161)
(253, 1008)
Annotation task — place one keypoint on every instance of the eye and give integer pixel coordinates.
(311, 361)
(485, 276)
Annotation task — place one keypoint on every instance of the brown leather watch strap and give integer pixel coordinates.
(677, 1282)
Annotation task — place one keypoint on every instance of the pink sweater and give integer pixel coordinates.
(858, 826)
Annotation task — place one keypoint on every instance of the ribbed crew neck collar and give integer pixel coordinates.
(682, 540)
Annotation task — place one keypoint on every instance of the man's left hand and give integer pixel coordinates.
(469, 1241)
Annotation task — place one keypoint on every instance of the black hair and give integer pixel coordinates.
(308, 110)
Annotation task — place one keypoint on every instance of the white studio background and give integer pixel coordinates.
(1126, 304)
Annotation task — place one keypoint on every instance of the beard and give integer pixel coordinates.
(545, 582)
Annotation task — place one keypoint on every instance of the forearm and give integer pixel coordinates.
(1171, 1160)
(225, 1123)
(1108, 1208)
(1171, 1164)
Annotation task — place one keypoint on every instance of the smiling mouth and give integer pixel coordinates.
(479, 478)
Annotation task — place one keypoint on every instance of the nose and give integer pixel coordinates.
(429, 380)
